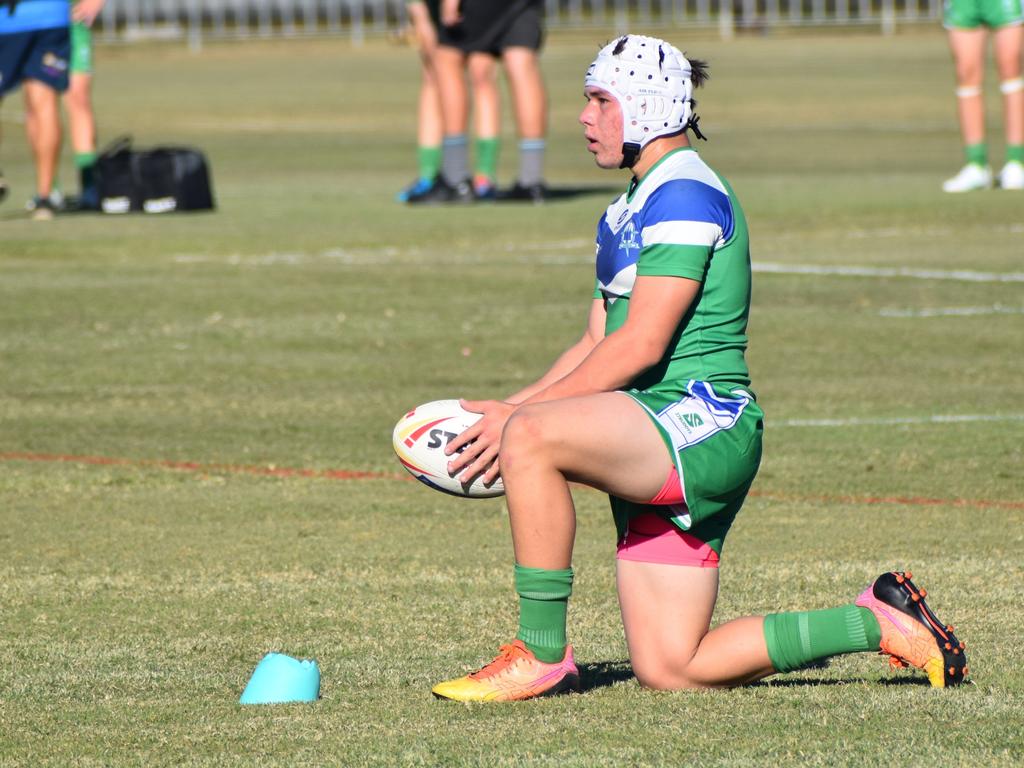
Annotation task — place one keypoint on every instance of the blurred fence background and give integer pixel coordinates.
(196, 20)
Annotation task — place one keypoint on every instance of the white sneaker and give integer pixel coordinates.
(971, 177)
(1012, 175)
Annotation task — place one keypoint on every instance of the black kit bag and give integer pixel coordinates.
(158, 180)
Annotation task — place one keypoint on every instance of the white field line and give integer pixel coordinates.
(549, 254)
(910, 232)
(899, 420)
(995, 309)
(562, 253)
(961, 275)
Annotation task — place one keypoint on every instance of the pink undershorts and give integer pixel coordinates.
(650, 538)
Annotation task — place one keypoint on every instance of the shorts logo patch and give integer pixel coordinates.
(692, 420)
(53, 64)
(700, 415)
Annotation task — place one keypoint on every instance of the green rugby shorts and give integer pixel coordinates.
(713, 435)
(971, 14)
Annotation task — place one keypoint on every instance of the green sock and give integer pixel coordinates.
(977, 153)
(85, 162)
(543, 604)
(1015, 153)
(486, 152)
(85, 159)
(795, 639)
(429, 161)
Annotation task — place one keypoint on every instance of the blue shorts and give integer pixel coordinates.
(41, 54)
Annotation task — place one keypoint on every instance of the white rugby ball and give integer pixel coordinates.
(419, 440)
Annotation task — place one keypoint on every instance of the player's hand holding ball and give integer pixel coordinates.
(475, 450)
(429, 438)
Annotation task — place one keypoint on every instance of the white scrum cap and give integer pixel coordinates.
(651, 81)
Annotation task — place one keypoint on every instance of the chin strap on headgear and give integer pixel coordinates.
(651, 81)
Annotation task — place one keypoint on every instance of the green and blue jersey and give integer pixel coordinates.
(682, 220)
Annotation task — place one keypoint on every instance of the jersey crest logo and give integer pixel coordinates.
(629, 240)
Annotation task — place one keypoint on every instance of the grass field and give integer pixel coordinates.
(159, 375)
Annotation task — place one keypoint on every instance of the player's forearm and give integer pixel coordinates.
(613, 363)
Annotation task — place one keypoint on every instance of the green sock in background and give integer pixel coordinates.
(85, 162)
(429, 161)
(795, 639)
(977, 153)
(543, 605)
(1015, 153)
(85, 159)
(486, 154)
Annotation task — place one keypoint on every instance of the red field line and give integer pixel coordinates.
(346, 474)
(910, 501)
(194, 466)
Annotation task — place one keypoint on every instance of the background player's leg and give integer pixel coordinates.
(43, 128)
(968, 47)
(529, 97)
(429, 126)
(1008, 43)
(82, 121)
(483, 78)
(528, 94)
(453, 184)
(429, 129)
(80, 115)
(449, 65)
(82, 127)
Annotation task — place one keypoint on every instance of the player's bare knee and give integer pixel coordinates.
(482, 81)
(76, 101)
(521, 431)
(1009, 68)
(522, 437)
(660, 676)
(968, 75)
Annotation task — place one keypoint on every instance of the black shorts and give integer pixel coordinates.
(41, 55)
(434, 9)
(491, 26)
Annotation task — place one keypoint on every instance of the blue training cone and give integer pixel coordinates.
(279, 679)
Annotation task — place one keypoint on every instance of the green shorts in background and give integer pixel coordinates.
(971, 14)
(713, 435)
(81, 49)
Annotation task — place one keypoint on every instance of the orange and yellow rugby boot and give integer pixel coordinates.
(911, 633)
(514, 675)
